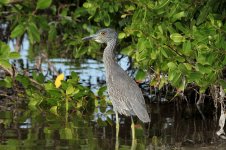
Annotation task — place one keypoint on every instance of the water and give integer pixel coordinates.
(173, 126)
(170, 129)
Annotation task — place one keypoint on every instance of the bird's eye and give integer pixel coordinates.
(103, 33)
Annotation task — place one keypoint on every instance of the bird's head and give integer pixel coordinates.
(103, 36)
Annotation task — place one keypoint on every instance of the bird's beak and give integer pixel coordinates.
(91, 37)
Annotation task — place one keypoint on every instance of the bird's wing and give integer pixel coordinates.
(126, 95)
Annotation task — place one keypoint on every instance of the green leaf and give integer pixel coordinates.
(172, 65)
(140, 75)
(48, 131)
(182, 27)
(163, 81)
(178, 16)
(107, 20)
(38, 77)
(33, 33)
(179, 58)
(162, 4)
(163, 52)
(204, 68)
(176, 79)
(34, 102)
(187, 48)
(49, 86)
(223, 84)
(160, 29)
(43, 22)
(109, 121)
(52, 33)
(66, 133)
(87, 5)
(203, 14)
(154, 54)
(188, 66)
(182, 68)
(202, 58)
(224, 61)
(195, 77)
(14, 55)
(4, 51)
(182, 84)
(121, 35)
(141, 56)
(23, 79)
(55, 93)
(54, 109)
(101, 90)
(70, 90)
(17, 31)
(177, 38)
(128, 50)
(43, 4)
(79, 104)
(173, 74)
(101, 122)
(5, 63)
(8, 82)
(74, 78)
(4, 2)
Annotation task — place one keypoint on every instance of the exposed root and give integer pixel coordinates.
(200, 101)
(218, 95)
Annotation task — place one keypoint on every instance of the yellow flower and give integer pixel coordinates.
(58, 80)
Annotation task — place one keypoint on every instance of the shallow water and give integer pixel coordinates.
(170, 129)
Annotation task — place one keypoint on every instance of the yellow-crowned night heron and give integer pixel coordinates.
(126, 96)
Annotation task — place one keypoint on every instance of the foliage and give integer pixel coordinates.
(179, 42)
(71, 96)
(181, 39)
(47, 25)
(6, 55)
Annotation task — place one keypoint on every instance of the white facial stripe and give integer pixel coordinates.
(99, 41)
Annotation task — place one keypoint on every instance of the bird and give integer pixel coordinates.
(126, 97)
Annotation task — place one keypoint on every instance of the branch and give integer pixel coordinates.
(13, 73)
(179, 54)
(8, 71)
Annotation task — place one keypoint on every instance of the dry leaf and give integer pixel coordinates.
(58, 80)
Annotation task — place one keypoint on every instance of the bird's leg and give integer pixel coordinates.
(134, 144)
(134, 141)
(117, 131)
(132, 128)
(117, 124)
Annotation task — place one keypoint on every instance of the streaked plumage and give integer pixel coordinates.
(126, 96)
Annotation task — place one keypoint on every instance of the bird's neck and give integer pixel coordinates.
(109, 56)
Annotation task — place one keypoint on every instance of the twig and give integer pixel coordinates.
(8, 71)
(13, 73)
(18, 44)
(38, 85)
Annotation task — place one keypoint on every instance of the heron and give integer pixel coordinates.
(126, 97)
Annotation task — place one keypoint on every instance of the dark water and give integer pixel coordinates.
(173, 126)
(170, 129)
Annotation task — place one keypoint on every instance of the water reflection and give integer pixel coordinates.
(169, 129)
(26, 124)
